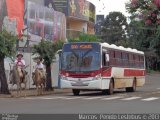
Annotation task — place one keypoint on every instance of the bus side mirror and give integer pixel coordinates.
(107, 57)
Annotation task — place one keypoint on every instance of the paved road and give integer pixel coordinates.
(145, 100)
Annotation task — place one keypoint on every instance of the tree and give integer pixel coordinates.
(47, 50)
(147, 13)
(137, 36)
(85, 38)
(114, 28)
(7, 49)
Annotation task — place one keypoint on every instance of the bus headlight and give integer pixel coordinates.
(97, 77)
(62, 77)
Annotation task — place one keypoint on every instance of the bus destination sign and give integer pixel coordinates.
(81, 46)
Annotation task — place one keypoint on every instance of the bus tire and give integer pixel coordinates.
(111, 88)
(75, 92)
(133, 88)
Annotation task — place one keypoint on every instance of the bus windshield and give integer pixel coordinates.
(81, 60)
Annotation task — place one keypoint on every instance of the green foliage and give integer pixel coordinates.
(85, 38)
(134, 5)
(114, 28)
(7, 49)
(7, 44)
(145, 23)
(124, 43)
(47, 50)
(137, 35)
(143, 9)
(58, 45)
(155, 43)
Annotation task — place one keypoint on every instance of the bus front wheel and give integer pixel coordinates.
(75, 92)
(111, 88)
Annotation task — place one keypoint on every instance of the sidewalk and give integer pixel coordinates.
(33, 92)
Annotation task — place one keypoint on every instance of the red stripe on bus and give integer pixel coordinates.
(129, 72)
(106, 72)
(81, 75)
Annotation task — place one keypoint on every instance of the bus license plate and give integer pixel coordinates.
(79, 83)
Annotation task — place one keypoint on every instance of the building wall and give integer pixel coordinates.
(40, 2)
(99, 22)
(28, 57)
(77, 25)
(90, 28)
(80, 15)
(45, 23)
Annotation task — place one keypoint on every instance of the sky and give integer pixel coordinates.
(103, 7)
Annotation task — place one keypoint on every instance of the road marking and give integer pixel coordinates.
(131, 98)
(92, 98)
(72, 98)
(150, 99)
(52, 98)
(29, 98)
(47, 98)
(111, 98)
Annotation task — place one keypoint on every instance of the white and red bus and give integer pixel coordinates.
(100, 66)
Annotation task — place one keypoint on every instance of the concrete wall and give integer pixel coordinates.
(41, 2)
(55, 72)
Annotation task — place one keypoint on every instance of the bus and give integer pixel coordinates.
(101, 66)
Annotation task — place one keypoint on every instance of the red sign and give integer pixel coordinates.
(15, 9)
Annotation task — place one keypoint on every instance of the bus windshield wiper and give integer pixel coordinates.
(86, 53)
(75, 54)
(81, 64)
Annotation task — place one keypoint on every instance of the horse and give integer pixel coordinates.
(18, 77)
(39, 81)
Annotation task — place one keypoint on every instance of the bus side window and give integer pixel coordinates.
(142, 61)
(112, 57)
(139, 61)
(135, 60)
(121, 59)
(130, 60)
(117, 58)
(127, 59)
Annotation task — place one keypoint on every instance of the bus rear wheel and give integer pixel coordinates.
(75, 92)
(111, 88)
(133, 88)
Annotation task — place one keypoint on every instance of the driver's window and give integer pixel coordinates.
(105, 59)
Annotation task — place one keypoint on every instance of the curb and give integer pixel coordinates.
(33, 92)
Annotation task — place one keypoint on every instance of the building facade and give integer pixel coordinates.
(49, 19)
(99, 22)
(80, 15)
